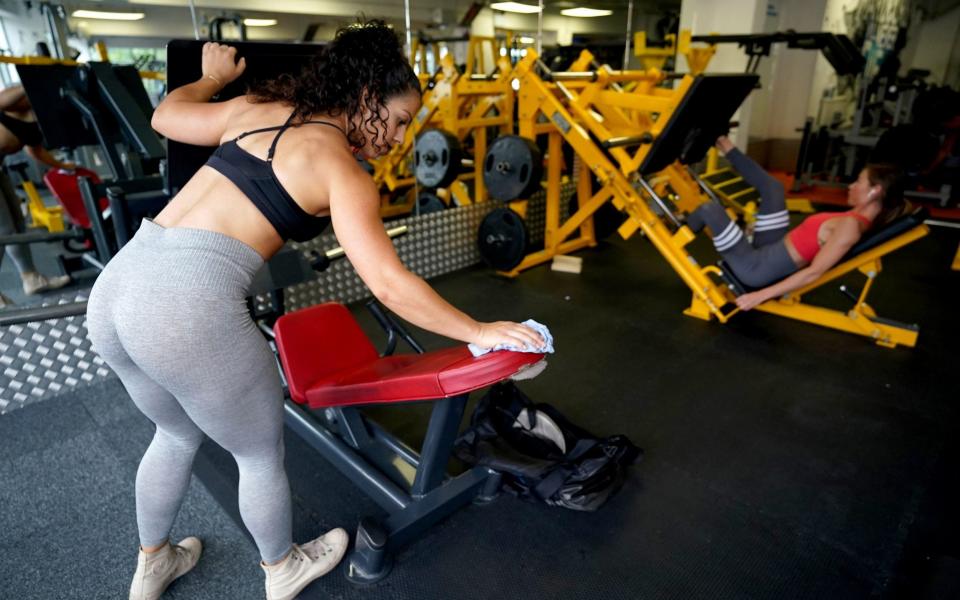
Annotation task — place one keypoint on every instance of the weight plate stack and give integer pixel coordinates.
(437, 158)
(503, 239)
(512, 168)
(428, 202)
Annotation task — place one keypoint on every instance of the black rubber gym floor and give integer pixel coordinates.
(782, 460)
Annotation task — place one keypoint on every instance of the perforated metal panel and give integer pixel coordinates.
(41, 359)
(435, 244)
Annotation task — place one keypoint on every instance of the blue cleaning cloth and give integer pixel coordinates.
(546, 348)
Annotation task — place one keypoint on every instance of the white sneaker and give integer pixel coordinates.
(34, 282)
(305, 563)
(157, 570)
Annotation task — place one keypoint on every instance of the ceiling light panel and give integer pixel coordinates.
(107, 16)
(515, 7)
(581, 11)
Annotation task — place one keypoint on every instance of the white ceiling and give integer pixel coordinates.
(172, 18)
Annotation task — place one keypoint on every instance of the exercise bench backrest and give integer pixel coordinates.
(317, 342)
(888, 232)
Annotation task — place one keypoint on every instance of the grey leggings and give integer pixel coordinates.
(767, 259)
(169, 316)
(12, 221)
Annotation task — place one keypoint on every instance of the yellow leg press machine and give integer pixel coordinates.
(639, 145)
(617, 135)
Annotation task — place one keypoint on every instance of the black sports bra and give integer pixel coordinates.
(256, 179)
(28, 132)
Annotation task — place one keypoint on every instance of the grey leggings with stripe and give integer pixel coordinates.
(169, 316)
(767, 259)
(12, 221)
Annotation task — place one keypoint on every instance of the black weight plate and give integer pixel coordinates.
(512, 168)
(503, 239)
(437, 158)
(428, 202)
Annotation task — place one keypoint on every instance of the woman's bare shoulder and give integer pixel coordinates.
(312, 162)
(246, 114)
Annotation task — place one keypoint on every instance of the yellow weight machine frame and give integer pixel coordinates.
(600, 123)
(41, 215)
(479, 49)
(619, 119)
(462, 104)
(46, 60)
(737, 195)
(698, 57)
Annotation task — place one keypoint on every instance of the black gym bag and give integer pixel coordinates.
(504, 435)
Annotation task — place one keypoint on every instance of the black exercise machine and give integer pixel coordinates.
(102, 105)
(838, 49)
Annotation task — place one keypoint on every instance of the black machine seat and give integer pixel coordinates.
(736, 286)
(890, 231)
(868, 242)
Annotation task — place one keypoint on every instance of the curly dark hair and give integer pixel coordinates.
(361, 69)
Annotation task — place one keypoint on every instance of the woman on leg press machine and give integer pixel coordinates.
(19, 131)
(800, 257)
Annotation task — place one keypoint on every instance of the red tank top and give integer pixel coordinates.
(805, 239)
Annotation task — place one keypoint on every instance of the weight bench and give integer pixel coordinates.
(865, 257)
(332, 367)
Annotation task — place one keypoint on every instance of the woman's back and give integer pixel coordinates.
(303, 155)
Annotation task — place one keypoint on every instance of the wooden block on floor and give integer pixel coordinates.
(567, 264)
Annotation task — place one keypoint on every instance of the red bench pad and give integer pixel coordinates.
(329, 361)
(64, 186)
